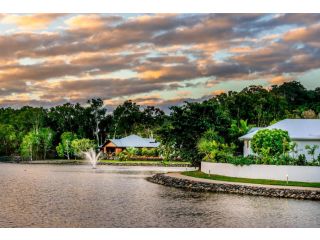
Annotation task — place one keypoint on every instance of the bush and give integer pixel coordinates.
(167, 151)
(301, 161)
(214, 150)
(139, 152)
(152, 152)
(240, 160)
(311, 149)
(270, 143)
(122, 156)
(130, 152)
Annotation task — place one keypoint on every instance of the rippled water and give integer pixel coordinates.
(78, 196)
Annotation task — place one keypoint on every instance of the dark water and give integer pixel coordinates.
(77, 196)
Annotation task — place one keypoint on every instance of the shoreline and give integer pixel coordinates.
(178, 180)
(80, 162)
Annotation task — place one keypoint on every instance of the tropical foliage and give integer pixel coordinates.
(271, 142)
(180, 131)
(79, 146)
(65, 149)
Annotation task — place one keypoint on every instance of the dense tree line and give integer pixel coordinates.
(40, 132)
(229, 115)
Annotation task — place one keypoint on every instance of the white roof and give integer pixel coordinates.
(135, 141)
(298, 129)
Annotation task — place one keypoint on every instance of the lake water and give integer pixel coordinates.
(78, 196)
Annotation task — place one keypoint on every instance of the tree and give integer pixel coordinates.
(8, 139)
(237, 129)
(36, 143)
(271, 143)
(294, 92)
(64, 148)
(125, 117)
(98, 113)
(312, 150)
(189, 122)
(46, 137)
(29, 145)
(80, 146)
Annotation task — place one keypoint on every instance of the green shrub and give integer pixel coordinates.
(152, 152)
(301, 161)
(311, 149)
(145, 152)
(122, 156)
(167, 151)
(271, 143)
(213, 149)
(130, 152)
(139, 152)
(209, 149)
(240, 160)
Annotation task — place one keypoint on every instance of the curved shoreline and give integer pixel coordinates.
(204, 185)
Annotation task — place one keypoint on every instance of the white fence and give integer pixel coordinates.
(274, 172)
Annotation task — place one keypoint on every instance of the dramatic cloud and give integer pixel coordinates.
(34, 21)
(154, 59)
(91, 21)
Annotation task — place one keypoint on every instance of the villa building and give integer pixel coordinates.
(114, 146)
(301, 131)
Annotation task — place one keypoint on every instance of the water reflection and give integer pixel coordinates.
(78, 196)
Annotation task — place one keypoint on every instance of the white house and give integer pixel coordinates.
(302, 131)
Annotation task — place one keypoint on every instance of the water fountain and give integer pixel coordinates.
(92, 157)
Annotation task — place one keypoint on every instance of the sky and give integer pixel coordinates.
(152, 59)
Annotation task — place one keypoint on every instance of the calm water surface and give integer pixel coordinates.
(78, 196)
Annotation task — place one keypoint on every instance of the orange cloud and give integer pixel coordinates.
(310, 33)
(243, 49)
(85, 21)
(151, 74)
(280, 79)
(32, 22)
(218, 92)
(295, 34)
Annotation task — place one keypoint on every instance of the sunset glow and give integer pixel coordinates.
(156, 59)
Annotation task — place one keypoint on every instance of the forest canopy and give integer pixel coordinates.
(229, 115)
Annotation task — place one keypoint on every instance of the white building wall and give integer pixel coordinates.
(247, 150)
(273, 172)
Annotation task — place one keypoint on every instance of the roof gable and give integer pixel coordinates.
(298, 129)
(135, 141)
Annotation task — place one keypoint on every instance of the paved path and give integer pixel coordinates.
(179, 175)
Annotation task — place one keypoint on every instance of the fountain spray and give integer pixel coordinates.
(92, 157)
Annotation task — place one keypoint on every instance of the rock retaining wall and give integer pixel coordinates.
(199, 186)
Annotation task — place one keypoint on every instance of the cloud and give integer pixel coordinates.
(280, 80)
(218, 92)
(33, 21)
(118, 57)
(91, 21)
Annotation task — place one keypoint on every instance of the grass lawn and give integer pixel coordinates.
(145, 162)
(199, 174)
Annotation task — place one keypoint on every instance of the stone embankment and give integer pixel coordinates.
(204, 185)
